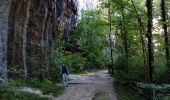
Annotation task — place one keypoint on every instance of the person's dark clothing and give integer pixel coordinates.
(64, 70)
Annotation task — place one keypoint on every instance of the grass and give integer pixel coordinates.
(46, 86)
(20, 96)
(167, 98)
(9, 92)
(123, 93)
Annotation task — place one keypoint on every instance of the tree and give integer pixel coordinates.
(164, 20)
(90, 35)
(110, 66)
(142, 31)
(150, 45)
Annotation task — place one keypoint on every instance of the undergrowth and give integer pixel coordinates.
(9, 91)
(123, 93)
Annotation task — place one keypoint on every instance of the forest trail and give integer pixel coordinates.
(90, 86)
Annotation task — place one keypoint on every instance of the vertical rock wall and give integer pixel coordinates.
(17, 36)
(4, 13)
(32, 28)
(66, 17)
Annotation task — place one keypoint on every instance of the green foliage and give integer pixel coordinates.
(124, 93)
(154, 86)
(90, 33)
(8, 91)
(126, 27)
(129, 25)
(137, 68)
(85, 46)
(74, 61)
(6, 87)
(20, 96)
(162, 91)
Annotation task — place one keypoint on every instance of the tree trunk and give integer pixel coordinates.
(165, 36)
(125, 43)
(150, 45)
(110, 39)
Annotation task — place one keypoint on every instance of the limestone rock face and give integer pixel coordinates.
(29, 29)
(4, 13)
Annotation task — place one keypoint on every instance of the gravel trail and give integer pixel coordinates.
(91, 86)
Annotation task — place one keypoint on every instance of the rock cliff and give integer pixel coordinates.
(28, 29)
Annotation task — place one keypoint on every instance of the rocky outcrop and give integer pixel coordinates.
(18, 24)
(33, 27)
(4, 13)
(67, 18)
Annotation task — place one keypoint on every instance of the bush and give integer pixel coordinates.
(74, 61)
(124, 93)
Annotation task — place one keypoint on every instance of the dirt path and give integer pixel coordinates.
(91, 86)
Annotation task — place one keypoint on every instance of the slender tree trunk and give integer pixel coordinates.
(165, 35)
(142, 31)
(125, 39)
(125, 42)
(150, 45)
(110, 39)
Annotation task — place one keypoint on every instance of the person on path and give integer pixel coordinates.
(64, 73)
